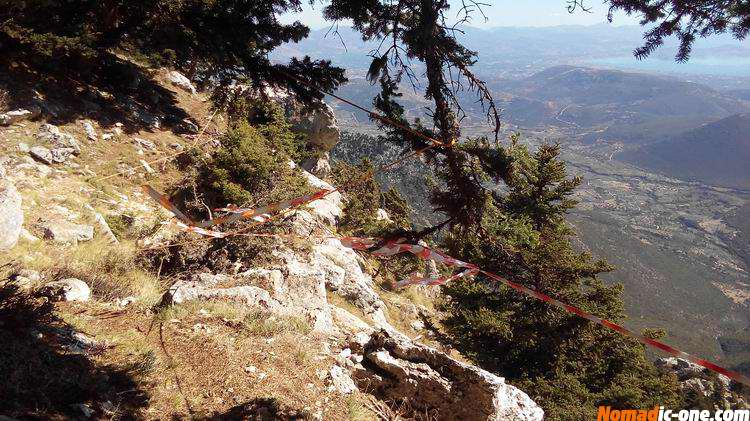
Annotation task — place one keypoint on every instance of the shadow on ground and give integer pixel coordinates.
(261, 409)
(43, 379)
(109, 90)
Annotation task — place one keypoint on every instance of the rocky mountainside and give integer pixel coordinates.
(679, 248)
(303, 332)
(617, 105)
(716, 153)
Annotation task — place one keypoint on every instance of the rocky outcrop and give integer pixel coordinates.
(206, 286)
(300, 281)
(15, 116)
(179, 80)
(431, 382)
(11, 214)
(56, 139)
(319, 166)
(344, 276)
(316, 121)
(70, 289)
(50, 156)
(698, 381)
(328, 209)
(65, 232)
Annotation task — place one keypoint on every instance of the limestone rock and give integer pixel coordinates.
(30, 274)
(344, 276)
(340, 381)
(693, 378)
(42, 154)
(57, 139)
(65, 232)
(104, 228)
(181, 81)
(685, 369)
(28, 237)
(11, 215)
(12, 117)
(317, 120)
(187, 126)
(382, 215)
(432, 382)
(146, 167)
(145, 144)
(90, 130)
(319, 166)
(202, 287)
(318, 123)
(348, 322)
(70, 289)
(51, 156)
(329, 208)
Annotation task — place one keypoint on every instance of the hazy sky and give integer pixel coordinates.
(508, 13)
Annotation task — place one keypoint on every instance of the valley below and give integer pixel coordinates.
(679, 247)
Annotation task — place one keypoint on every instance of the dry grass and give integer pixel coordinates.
(4, 100)
(159, 366)
(264, 324)
(111, 271)
(218, 371)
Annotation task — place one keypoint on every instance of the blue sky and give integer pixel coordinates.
(508, 13)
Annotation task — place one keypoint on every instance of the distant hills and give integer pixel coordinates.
(595, 103)
(513, 52)
(716, 153)
(616, 105)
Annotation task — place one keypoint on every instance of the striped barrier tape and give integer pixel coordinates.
(620, 329)
(162, 200)
(416, 280)
(235, 213)
(199, 230)
(383, 248)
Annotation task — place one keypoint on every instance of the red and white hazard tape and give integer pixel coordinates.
(391, 248)
(428, 254)
(235, 213)
(162, 200)
(416, 280)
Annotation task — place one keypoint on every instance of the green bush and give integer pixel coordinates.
(251, 168)
(244, 166)
(364, 198)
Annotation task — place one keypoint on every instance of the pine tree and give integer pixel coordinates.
(214, 41)
(569, 365)
(687, 20)
(504, 209)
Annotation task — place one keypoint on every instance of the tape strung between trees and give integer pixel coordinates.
(388, 248)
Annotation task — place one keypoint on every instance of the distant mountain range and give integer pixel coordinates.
(682, 248)
(716, 153)
(615, 105)
(612, 105)
(520, 51)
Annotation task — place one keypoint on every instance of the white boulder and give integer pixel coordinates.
(396, 369)
(70, 289)
(90, 130)
(12, 117)
(181, 81)
(57, 139)
(65, 232)
(11, 215)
